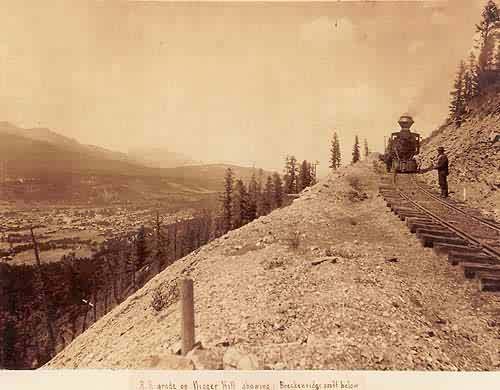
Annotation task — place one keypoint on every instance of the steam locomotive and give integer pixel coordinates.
(402, 148)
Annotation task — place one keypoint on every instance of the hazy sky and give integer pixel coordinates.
(235, 82)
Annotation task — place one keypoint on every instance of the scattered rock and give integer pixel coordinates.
(313, 339)
(169, 362)
(206, 359)
(332, 260)
(235, 359)
(176, 348)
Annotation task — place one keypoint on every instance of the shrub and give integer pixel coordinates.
(158, 301)
(294, 240)
(354, 182)
(162, 298)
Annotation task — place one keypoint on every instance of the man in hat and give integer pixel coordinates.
(442, 168)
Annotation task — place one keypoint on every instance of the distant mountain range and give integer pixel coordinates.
(41, 152)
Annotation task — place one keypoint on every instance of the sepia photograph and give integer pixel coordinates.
(250, 186)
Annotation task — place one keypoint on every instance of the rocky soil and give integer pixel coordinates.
(473, 153)
(334, 281)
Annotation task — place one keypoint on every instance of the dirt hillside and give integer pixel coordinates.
(474, 153)
(353, 289)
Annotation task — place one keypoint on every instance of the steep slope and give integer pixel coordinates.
(378, 301)
(473, 153)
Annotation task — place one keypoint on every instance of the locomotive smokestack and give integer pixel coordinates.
(405, 121)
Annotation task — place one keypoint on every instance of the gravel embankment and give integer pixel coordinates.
(378, 301)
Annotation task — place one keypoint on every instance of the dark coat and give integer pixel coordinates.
(442, 165)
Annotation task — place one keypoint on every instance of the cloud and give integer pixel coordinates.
(325, 30)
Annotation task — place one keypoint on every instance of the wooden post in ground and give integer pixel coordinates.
(187, 303)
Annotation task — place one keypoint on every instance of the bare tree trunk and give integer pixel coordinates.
(106, 293)
(48, 319)
(85, 319)
(175, 241)
(73, 327)
(94, 298)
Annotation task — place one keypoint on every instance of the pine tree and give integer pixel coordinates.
(227, 200)
(290, 176)
(253, 197)
(160, 243)
(467, 86)
(286, 178)
(457, 104)
(268, 201)
(260, 185)
(338, 153)
(277, 190)
(367, 151)
(471, 81)
(9, 355)
(141, 251)
(355, 150)
(241, 203)
(497, 57)
(490, 17)
(304, 178)
(335, 152)
(473, 70)
(313, 173)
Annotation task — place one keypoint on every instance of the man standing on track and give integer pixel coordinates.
(442, 168)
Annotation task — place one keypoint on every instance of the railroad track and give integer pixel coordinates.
(469, 240)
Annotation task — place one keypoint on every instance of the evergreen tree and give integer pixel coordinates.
(338, 154)
(160, 243)
(227, 200)
(241, 203)
(471, 81)
(497, 57)
(253, 197)
(304, 178)
(313, 173)
(473, 70)
(9, 338)
(367, 151)
(467, 86)
(489, 54)
(268, 201)
(277, 190)
(286, 177)
(141, 251)
(335, 152)
(260, 184)
(355, 150)
(290, 176)
(457, 104)
(490, 17)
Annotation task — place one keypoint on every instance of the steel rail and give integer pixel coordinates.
(484, 247)
(427, 192)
